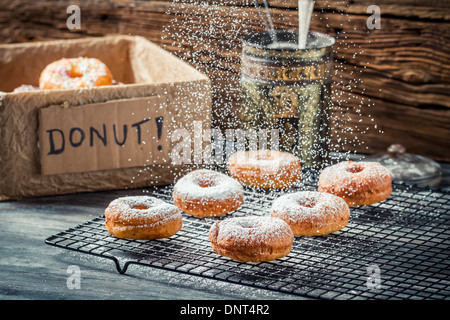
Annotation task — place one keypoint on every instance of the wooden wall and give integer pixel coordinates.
(391, 85)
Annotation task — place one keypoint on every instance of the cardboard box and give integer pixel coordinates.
(109, 137)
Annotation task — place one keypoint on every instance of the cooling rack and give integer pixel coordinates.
(395, 249)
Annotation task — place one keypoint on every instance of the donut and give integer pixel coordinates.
(206, 193)
(311, 213)
(265, 169)
(75, 73)
(251, 238)
(142, 218)
(358, 183)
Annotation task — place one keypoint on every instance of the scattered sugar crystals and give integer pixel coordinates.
(208, 37)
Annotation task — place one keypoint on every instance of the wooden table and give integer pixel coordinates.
(31, 269)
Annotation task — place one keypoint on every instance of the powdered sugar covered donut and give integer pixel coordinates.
(358, 183)
(206, 193)
(251, 238)
(75, 73)
(311, 213)
(142, 217)
(265, 169)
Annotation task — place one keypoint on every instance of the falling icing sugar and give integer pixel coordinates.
(210, 39)
(305, 9)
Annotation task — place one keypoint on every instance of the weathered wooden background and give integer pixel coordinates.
(391, 85)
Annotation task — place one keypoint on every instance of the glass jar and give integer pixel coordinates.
(409, 168)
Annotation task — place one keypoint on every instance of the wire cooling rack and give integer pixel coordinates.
(395, 249)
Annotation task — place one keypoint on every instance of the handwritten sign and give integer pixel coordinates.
(110, 135)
